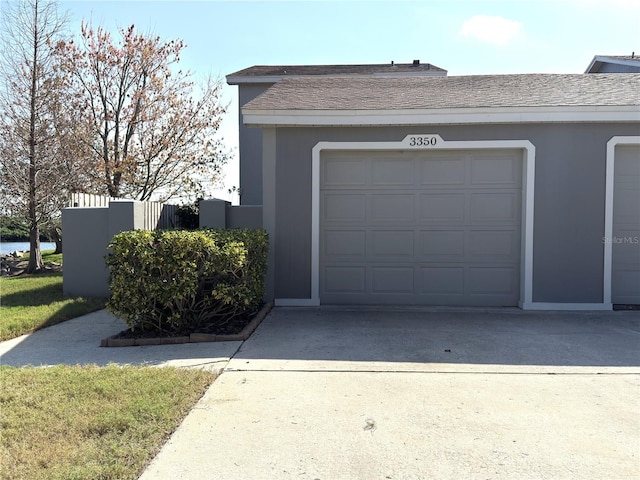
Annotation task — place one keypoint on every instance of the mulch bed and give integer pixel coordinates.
(236, 330)
(236, 325)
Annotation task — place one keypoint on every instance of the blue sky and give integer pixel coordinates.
(464, 37)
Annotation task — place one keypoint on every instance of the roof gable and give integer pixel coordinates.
(621, 60)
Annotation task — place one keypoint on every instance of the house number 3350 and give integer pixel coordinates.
(422, 141)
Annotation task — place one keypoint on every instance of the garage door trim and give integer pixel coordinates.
(608, 211)
(428, 142)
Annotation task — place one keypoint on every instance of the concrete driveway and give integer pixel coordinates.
(416, 394)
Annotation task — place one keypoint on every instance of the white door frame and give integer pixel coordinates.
(423, 142)
(608, 211)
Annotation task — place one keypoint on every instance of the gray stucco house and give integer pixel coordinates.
(397, 184)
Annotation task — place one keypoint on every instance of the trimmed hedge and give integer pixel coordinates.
(178, 281)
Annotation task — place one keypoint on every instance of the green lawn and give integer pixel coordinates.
(81, 422)
(88, 422)
(47, 256)
(31, 302)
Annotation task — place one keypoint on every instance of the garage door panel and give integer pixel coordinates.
(442, 281)
(344, 172)
(627, 201)
(393, 243)
(338, 243)
(625, 244)
(494, 207)
(626, 165)
(425, 228)
(626, 282)
(394, 208)
(444, 208)
(436, 244)
(496, 244)
(344, 280)
(393, 172)
(442, 172)
(495, 171)
(344, 208)
(392, 280)
(491, 280)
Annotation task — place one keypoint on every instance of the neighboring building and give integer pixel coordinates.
(255, 80)
(496, 190)
(614, 64)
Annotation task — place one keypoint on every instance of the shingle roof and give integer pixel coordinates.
(283, 71)
(530, 90)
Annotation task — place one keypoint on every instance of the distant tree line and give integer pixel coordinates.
(15, 229)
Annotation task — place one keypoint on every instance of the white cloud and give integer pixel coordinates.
(495, 30)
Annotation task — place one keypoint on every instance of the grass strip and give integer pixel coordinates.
(79, 422)
(31, 302)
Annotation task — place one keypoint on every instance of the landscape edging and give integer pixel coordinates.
(246, 332)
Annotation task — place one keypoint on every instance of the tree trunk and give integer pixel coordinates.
(35, 256)
(56, 235)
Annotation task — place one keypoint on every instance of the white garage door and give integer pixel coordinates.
(625, 249)
(420, 228)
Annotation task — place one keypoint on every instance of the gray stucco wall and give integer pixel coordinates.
(87, 233)
(250, 141)
(125, 215)
(569, 200)
(86, 236)
(215, 213)
(244, 216)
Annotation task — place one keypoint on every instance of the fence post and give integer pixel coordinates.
(213, 213)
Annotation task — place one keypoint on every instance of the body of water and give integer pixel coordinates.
(8, 247)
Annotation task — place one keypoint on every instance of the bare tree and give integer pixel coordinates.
(32, 173)
(150, 131)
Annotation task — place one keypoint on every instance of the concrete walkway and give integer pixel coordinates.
(77, 341)
(389, 394)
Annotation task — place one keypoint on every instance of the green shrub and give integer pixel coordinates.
(186, 281)
(188, 216)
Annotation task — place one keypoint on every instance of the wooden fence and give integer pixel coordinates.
(157, 215)
(89, 200)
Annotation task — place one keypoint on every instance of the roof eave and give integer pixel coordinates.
(241, 79)
(592, 65)
(478, 115)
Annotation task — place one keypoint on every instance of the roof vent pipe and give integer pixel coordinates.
(416, 63)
